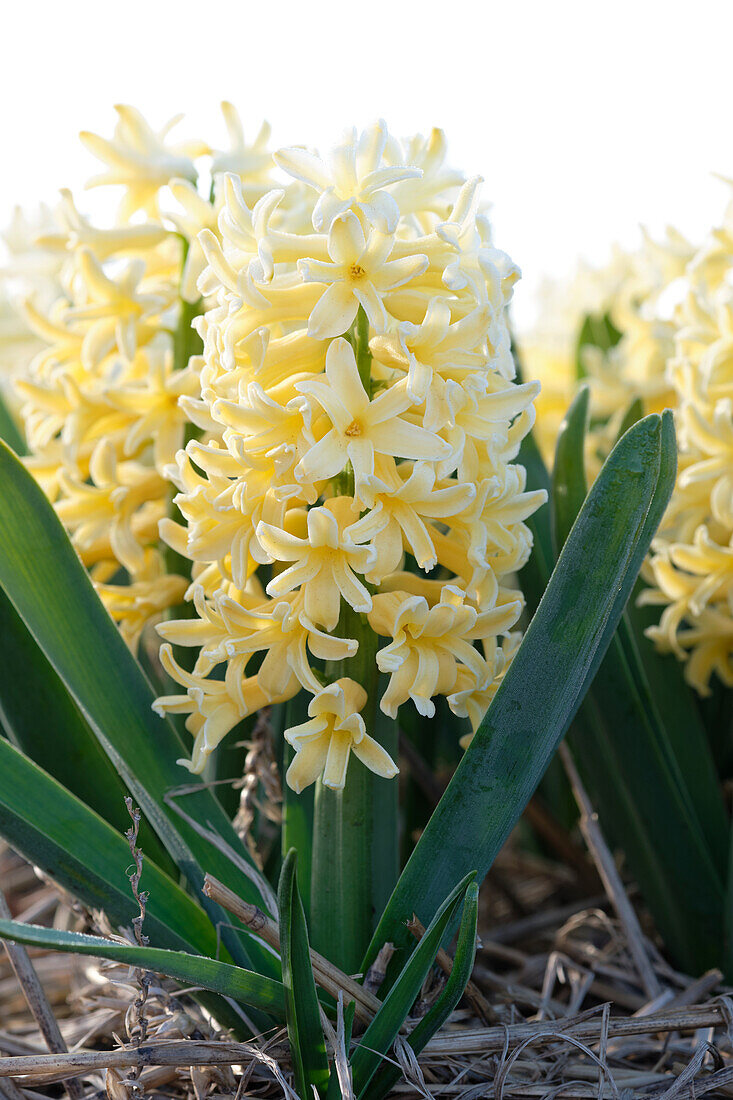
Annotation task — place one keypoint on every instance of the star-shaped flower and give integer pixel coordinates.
(335, 730)
(403, 497)
(361, 428)
(253, 163)
(325, 563)
(353, 179)
(431, 643)
(359, 273)
(139, 158)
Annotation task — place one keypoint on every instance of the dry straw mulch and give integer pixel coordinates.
(570, 997)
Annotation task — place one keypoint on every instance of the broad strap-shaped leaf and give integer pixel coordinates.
(641, 812)
(384, 1028)
(686, 732)
(680, 715)
(534, 576)
(627, 755)
(53, 595)
(568, 473)
(641, 539)
(55, 831)
(307, 1044)
(681, 737)
(244, 986)
(542, 688)
(41, 719)
(554, 788)
(448, 999)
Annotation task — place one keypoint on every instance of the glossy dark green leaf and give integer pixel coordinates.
(77, 848)
(534, 576)
(627, 754)
(384, 1028)
(686, 732)
(42, 720)
(448, 999)
(639, 541)
(639, 792)
(543, 687)
(53, 595)
(243, 986)
(554, 788)
(568, 473)
(55, 831)
(307, 1045)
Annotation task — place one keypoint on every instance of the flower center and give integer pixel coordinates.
(356, 272)
(353, 429)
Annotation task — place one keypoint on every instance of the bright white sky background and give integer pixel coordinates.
(585, 119)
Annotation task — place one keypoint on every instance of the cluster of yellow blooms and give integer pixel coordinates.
(27, 270)
(104, 400)
(671, 305)
(628, 298)
(343, 450)
(354, 475)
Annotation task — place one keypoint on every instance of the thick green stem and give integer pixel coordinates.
(186, 342)
(386, 837)
(355, 833)
(361, 350)
(342, 889)
(297, 809)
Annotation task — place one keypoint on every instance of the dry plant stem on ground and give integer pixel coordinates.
(610, 877)
(328, 976)
(35, 996)
(646, 1053)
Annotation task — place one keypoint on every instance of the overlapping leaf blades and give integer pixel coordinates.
(547, 679)
(103, 696)
(65, 838)
(449, 997)
(52, 594)
(643, 753)
(40, 718)
(244, 986)
(384, 1028)
(305, 1033)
